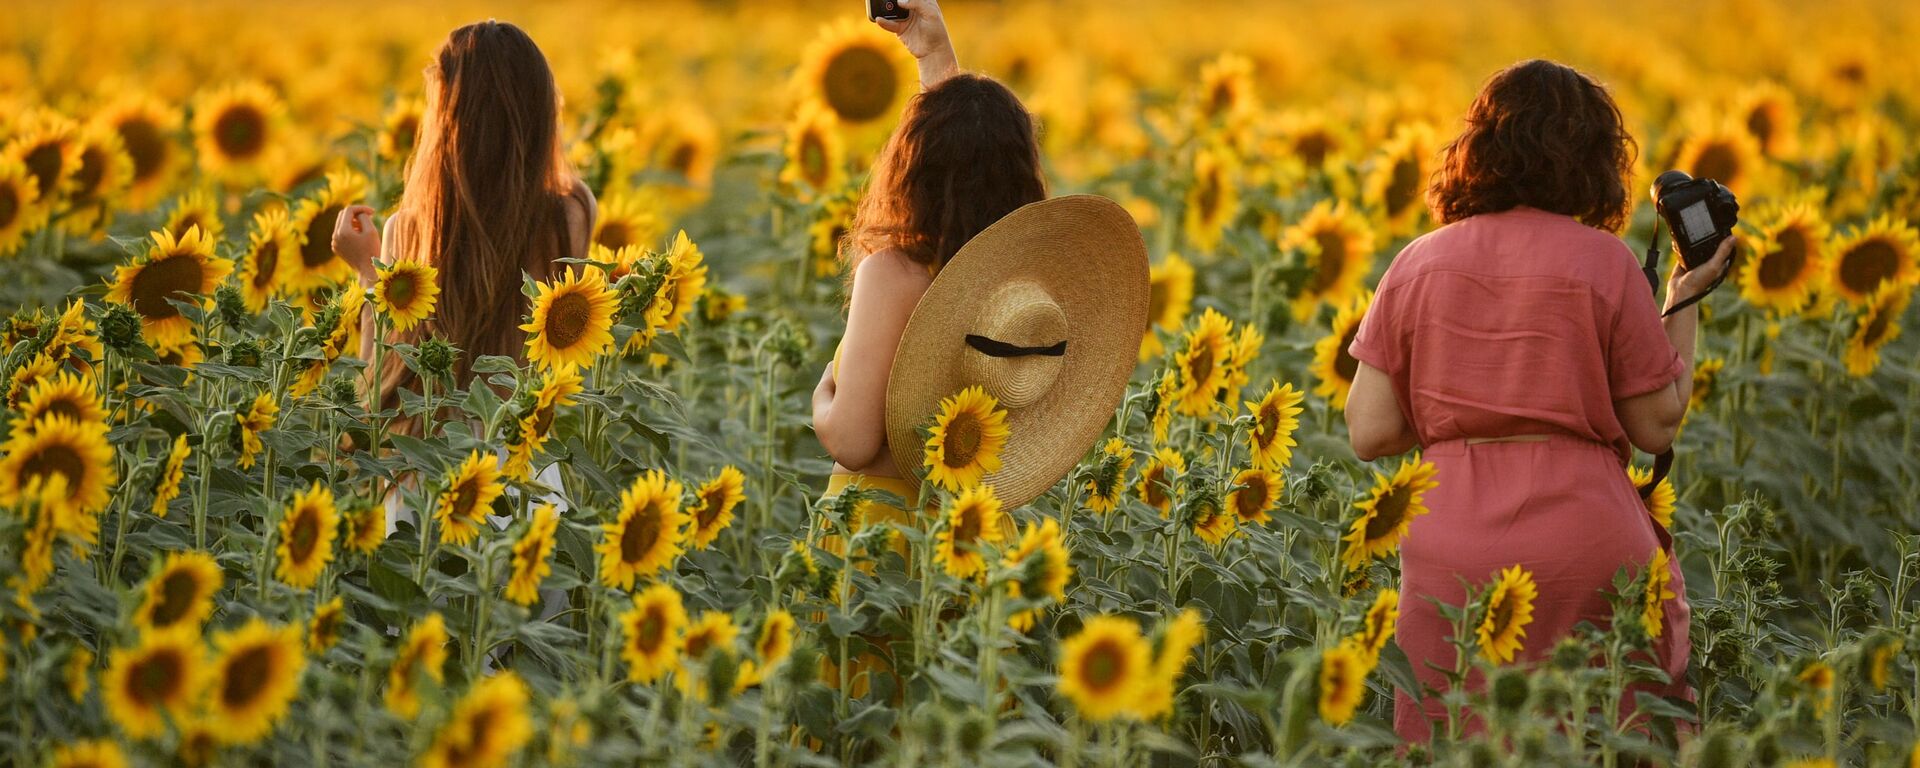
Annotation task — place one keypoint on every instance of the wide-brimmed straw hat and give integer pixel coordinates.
(1044, 310)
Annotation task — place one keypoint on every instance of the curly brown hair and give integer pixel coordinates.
(964, 155)
(1543, 135)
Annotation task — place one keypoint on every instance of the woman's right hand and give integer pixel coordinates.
(1686, 283)
(924, 33)
(356, 240)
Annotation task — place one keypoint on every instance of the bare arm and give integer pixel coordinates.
(1653, 419)
(582, 212)
(850, 409)
(1375, 424)
(924, 32)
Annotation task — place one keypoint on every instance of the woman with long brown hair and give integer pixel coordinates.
(489, 199)
(1519, 344)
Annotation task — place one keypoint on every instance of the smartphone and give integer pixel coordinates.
(885, 9)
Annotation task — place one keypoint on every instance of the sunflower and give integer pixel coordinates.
(1226, 91)
(1660, 503)
(1706, 374)
(1213, 200)
(774, 642)
(40, 367)
(686, 278)
(1109, 477)
(180, 595)
(1343, 682)
(1160, 406)
(1377, 628)
(1337, 246)
(1043, 545)
(816, 157)
(262, 266)
(1878, 326)
(1790, 264)
(966, 440)
(1879, 660)
(1202, 365)
(572, 320)
(196, 209)
(1255, 492)
(80, 662)
(1333, 364)
(149, 683)
(1873, 256)
(323, 627)
(74, 333)
(1387, 511)
(531, 556)
(423, 652)
(1659, 590)
(98, 182)
(147, 129)
(405, 292)
(400, 129)
(857, 70)
(1275, 417)
(36, 550)
(312, 221)
(1156, 479)
(1170, 298)
(91, 753)
(254, 678)
(1723, 151)
(1509, 609)
(1240, 356)
(973, 523)
(1178, 637)
(1771, 118)
(685, 143)
(307, 530)
(647, 535)
(652, 633)
(235, 127)
(466, 497)
(65, 466)
(626, 219)
(1211, 523)
(48, 144)
(19, 211)
(829, 228)
(62, 394)
(258, 417)
(713, 505)
(536, 424)
(366, 527)
(1817, 678)
(1104, 669)
(488, 726)
(1397, 183)
(174, 269)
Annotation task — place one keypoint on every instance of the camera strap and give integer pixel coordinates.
(1663, 462)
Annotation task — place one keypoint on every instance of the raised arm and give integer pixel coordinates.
(1651, 420)
(924, 33)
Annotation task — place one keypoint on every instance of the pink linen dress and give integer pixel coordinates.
(1516, 323)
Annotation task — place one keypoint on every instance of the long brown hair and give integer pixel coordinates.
(1543, 135)
(964, 156)
(485, 191)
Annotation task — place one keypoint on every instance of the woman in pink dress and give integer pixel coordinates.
(1520, 346)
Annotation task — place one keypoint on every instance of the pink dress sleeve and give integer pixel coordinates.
(1639, 357)
(1378, 340)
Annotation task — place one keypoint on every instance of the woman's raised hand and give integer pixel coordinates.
(1686, 283)
(924, 33)
(357, 240)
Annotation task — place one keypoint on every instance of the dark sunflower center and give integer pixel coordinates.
(56, 459)
(1876, 328)
(813, 159)
(542, 420)
(326, 625)
(1388, 513)
(45, 162)
(1201, 363)
(1156, 481)
(319, 247)
(1760, 123)
(1267, 426)
(567, 318)
(1104, 666)
(1343, 363)
(651, 632)
(266, 259)
(179, 590)
(1209, 195)
(963, 435)
(87, 178)
(860, 83)
(187, 221)
(146, 144)
(465, 496)
(641, 533)
(404, 133)
(1718, 161)
(1332, 262)
(1502, 609)
(9, 205)
(1220, 98)
(1157, 300)
(969, 528)
(614, 234)
(1253, 498)
(1784, 265)
(697, 644)
(240, 132)
(402, 288)
(247, 674)
(1852, 72)
(710, 505)
(1403, 189)
(1313, 148)
(156, 678)
(682, 157)
(304, 537)
(1866, 265)
(63, 407)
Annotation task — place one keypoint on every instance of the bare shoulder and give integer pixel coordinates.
(581, 211)
(892, 267)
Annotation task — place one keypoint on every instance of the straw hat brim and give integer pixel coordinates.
(1087, 253)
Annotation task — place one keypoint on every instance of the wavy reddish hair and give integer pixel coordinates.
(1543, 135)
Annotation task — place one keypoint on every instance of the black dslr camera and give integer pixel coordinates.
(1701, 214)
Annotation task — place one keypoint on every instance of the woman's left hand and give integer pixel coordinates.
(1685, 283)
(357, 240)
(924, 33)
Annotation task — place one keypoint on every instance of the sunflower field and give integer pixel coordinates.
(623, 553)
